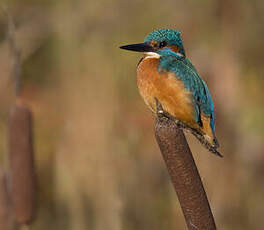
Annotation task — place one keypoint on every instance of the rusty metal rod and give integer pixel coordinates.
(184, 175)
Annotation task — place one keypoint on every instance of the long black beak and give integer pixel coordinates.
(140, 47)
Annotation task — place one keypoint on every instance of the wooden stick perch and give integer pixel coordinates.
(184, 174)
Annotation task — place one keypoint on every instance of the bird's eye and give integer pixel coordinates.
(162, 44)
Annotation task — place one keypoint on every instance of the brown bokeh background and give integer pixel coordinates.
(97, 160)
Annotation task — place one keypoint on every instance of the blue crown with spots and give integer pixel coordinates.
(172, 37)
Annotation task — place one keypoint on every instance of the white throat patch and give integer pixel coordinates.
(151, 55)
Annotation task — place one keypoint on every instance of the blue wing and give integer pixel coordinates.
(185, 71)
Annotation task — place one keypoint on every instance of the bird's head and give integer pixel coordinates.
(160, 42)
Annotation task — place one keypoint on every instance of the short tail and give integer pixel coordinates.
(210, 143)
(212, 140)
(216, 143)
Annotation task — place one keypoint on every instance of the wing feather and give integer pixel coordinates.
(186, 72)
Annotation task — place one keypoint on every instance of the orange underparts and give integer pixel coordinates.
(171, 93)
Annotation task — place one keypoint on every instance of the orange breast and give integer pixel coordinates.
(170, 92)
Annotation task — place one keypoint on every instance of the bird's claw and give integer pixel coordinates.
(159, 109)
(160, 112)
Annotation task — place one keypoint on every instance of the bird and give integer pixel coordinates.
(166, 77)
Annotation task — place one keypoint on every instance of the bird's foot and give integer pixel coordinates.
(160, 112)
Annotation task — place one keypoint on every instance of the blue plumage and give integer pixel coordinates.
(173, 37)
(185, 71)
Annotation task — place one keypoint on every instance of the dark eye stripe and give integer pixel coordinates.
(162, 44)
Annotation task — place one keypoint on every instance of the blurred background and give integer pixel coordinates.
(98, 164)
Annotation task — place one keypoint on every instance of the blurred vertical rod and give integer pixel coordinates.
(14, 51)
(184, 175)
(21, 161)
(5, 214)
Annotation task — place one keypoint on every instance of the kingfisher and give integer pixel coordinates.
(167, 77)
